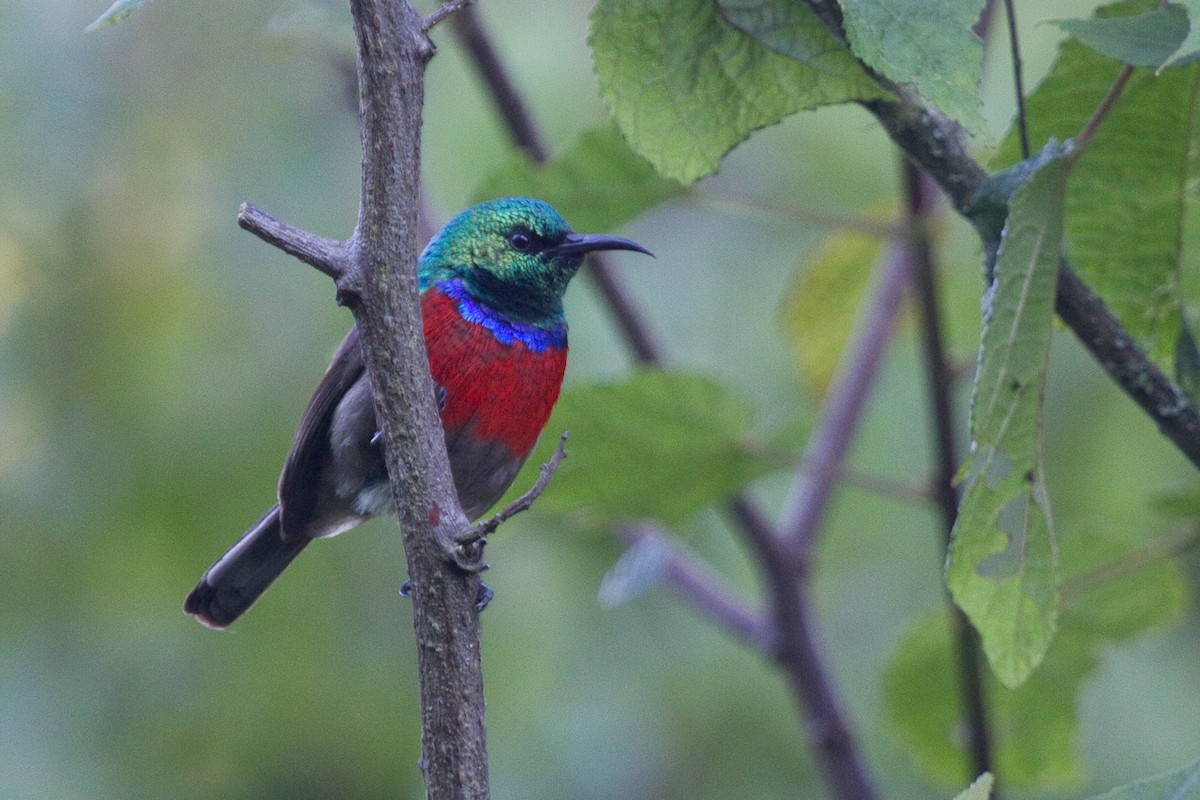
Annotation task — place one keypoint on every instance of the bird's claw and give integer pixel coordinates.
(482, 598)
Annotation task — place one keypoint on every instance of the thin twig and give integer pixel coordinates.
(1118, 85)
(330, 256)
(919, 193)
(783, 551)
(441, 12)
(1074, 589)
(482, 530)
(1018, 89)
(492, 72)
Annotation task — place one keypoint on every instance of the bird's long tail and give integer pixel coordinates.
(240, 577)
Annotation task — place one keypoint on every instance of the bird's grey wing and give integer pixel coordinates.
(300, 483)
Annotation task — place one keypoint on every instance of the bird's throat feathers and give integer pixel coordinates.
(507, 327)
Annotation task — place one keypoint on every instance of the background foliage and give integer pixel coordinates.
(153, 360)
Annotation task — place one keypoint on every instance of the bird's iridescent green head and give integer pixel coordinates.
(515, 255)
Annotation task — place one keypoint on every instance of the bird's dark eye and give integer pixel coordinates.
(520, 241)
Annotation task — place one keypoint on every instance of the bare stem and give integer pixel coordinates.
(1018, 86)
(330, 256)
(920, 206)
(505, 96)
(443, 11)
(808, 498)
(1114, 91)
(523, 503)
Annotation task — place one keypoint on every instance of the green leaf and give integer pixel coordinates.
(980, 789)
(1126, 196)
(1112, 591)
(1182, 784)
(1001, 570)
(1034, 727)
(117, 12)
(1146, 40)
(791, 29)
(598, 183)
(1189, 48)
(926, 43)
(655, 444)
(819, 308)
(685, 87)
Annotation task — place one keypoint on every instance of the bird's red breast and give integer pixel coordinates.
(497, 391)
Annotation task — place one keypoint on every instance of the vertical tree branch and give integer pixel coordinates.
(383, 294)
(920, 202)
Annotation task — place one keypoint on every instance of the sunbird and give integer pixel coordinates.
(492, 283)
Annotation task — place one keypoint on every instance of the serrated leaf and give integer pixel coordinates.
(819, 308)
(117, 12)
(1113, 592)
(598, 183)
(1001, 570)
(685, 87)
(980, 788)
(653, 445)
(926, 43)
(1126, 196)
(1147, 40)
(1182, 784)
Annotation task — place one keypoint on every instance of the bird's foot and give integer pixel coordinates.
(482, 598)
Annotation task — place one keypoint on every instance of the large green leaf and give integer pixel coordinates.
(1147, 40)
(1001, 570)
(926, 43)
(1182, 784)
(1126, 196)
(1112, 591)
(598, 183)
(655, 444)
(685, 87)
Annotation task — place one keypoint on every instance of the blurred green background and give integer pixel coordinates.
(154, 360)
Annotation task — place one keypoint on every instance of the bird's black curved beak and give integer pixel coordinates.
(583, 243)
